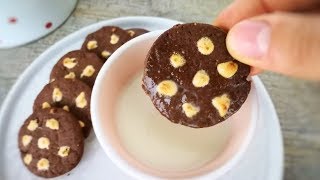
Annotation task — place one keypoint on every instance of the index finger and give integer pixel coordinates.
(243, 9)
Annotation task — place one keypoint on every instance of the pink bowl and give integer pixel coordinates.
(127, 61)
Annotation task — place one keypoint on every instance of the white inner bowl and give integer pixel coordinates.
(114, 77)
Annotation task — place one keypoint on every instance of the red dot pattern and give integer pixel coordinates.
(12, 20)
(48, 25)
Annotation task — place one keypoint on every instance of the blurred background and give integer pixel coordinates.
(297, 102)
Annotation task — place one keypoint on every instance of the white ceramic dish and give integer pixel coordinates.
(25, 21)
(263, 159)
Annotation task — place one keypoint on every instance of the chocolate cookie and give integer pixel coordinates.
(71, 95)
(192, 79)
(135, 32)
(50, 142)
(105, 41)
(78, 64)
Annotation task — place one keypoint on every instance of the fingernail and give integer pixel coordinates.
(250, 39)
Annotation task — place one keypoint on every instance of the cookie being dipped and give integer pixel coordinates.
(192, 79)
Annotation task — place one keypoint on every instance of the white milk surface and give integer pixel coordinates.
(156, 142)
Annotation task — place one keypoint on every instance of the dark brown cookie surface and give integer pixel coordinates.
(51, 142)
(69, 94)
(192, 79)
(105, 41)
(78, 64)
(135, 32)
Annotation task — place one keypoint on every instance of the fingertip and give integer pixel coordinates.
(237, 11)
(248, 41)
(234, 52)
(224, 19)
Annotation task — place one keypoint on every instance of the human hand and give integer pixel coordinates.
(277, 35)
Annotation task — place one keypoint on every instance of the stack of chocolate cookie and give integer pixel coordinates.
(51, 140)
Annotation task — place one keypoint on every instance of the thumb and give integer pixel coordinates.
(286, 43)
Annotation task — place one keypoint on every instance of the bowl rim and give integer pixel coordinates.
(114, 155)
